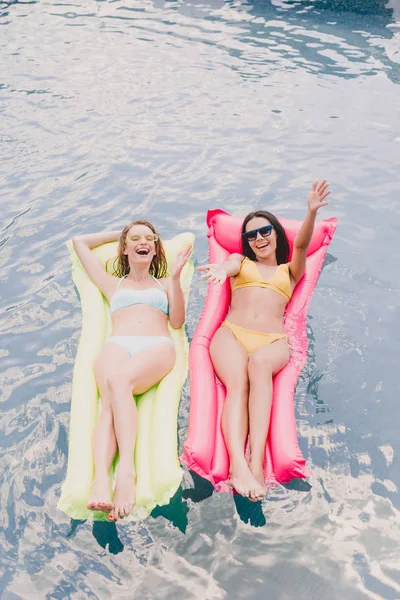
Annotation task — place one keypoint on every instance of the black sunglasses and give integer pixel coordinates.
(265, 231)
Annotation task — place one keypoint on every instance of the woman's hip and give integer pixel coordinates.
(133, 344)
(250, 339)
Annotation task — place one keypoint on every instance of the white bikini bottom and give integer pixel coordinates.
(136, 343)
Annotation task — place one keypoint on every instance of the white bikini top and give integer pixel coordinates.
(156, 298)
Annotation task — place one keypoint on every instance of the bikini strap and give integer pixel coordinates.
(159, 283)
(119, 282)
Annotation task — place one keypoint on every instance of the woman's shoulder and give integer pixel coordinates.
(165, 282)
(285, 267)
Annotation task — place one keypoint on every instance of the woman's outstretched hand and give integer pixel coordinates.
(317, 195)
(214, 273)
(181, 260)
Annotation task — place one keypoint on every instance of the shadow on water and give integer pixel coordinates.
(75, 523)
(202, 489)
(176, 511)
(298, 485)
(106, 534)
(249, 512)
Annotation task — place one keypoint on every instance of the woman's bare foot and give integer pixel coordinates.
(245, 483)
(257, 470)
(124, 495)
(100, 496)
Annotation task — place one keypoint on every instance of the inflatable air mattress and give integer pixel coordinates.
(157, 466)
(204, 450)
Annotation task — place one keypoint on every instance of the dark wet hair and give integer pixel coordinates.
(282, 243)
(158, 266)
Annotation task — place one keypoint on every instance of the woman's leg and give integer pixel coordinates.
(230, 363)
(104, 440)
(266, 362)
(104, 450)
(127, 376)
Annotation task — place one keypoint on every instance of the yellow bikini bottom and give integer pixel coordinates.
(252, 340)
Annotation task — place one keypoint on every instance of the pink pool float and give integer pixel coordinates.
(204, 451)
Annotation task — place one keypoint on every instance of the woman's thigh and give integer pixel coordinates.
(114, 367)
(229, 359)
(270, 358)
(109, 359)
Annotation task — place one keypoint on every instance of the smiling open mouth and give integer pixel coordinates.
(262, 246)
(142, 252)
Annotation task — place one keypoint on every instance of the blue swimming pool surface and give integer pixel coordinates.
(116, 110)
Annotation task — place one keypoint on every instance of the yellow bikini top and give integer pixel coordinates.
(249, 276)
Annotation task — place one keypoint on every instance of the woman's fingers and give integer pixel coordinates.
(211, 274)
(325, 195)
(323, 190)
(321, 185)
(187, 252)
(183, 256)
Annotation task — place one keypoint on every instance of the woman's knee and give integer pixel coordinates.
(105, 407)
(117, 382)
(238, 384)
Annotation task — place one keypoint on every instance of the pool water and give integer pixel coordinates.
(111, 111)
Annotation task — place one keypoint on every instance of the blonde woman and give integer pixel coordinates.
(137, 355)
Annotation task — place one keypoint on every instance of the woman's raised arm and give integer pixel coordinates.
(175, 294)
(83, 245)
(315, 201)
